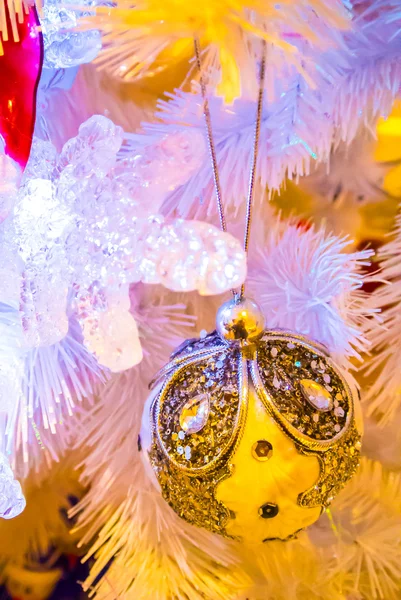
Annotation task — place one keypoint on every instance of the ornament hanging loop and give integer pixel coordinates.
(213, 155)
(240, 321)
(209, 132)
(256, 140)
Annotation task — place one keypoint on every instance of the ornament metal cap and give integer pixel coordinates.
(240, 320)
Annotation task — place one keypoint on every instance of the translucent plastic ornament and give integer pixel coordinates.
(189, 255)
(12, 360)
(10, 177)
(42, 160)
(41, 222)
(84, 225)
(12, 501)
(109, 329)
(64, 45)
(163, 164)
(115, 223)
(251, 433)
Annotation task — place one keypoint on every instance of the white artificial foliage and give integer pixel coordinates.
(382, 442)
(307, 281)
(122, 508)
(367, 518)
(351, 173)
(357, 83)
(383, 395)
(142, 39)
(78, 103)
(124, 514)
(131, 520)
(282, 571)
(53, 379)
(86, 196)
(10, 177)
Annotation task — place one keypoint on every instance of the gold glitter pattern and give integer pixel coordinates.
(283, 364)
(193, 498)
(216, 376)
(337, 466)
(190, 466)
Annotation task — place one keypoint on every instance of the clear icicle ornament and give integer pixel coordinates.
(64, 46)
(189, 255)
(39, 226)
(85, 225)
(12, 501)
(10, 177)
(109, 329)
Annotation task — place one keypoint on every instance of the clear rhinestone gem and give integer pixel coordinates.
(338, 411)
(316, 395)
(195, 413)
(274, 352)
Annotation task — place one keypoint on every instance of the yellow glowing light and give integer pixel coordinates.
(222, 26)
(390, 127)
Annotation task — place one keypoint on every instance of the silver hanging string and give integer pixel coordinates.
(212, 148)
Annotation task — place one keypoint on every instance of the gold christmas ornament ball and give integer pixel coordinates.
(250, 437)
(240, 320)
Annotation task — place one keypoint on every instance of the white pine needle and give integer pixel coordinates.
(383, 398)
(306, 281)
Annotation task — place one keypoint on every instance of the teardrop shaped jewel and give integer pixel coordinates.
(195, 413)
(316, 395)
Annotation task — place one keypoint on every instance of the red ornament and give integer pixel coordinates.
(20, 69)
(304, 224)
